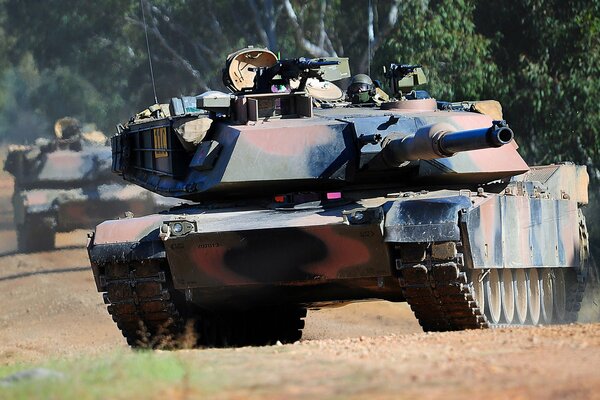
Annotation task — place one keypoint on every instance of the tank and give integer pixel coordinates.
(66, 183)
(303, 202)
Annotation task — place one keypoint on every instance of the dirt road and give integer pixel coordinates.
(49, 308)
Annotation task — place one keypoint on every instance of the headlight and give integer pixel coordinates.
(177, 228)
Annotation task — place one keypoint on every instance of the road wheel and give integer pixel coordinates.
(508, 296)
(560, 295)
(534, 298)
(493, 292)
(477, 279)
(547, 295)
(520, 287)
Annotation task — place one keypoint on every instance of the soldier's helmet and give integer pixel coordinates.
(68, 132)
(361, 89)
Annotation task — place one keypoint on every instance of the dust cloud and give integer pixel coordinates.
(590, 306)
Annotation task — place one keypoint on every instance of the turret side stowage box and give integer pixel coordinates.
(153, 148)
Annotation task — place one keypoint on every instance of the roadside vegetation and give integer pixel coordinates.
(266, 372)
(509, 363)
(539, 58)
(123, 375)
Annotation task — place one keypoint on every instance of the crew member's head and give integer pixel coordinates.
(361, 89)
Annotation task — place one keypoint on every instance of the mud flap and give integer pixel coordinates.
(425, 220)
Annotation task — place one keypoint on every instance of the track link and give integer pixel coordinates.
(152, 314)
(141, 304)
(577, 282)
(440, 296)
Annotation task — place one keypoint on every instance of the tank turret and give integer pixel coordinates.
(65, 183)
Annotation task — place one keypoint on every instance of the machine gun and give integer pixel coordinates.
(329, 69)
(404, 78)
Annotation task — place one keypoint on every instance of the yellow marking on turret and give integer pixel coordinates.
(160, 142)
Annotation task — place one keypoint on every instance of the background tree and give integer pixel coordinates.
(92, 57)
(548, 53)
(540, 58)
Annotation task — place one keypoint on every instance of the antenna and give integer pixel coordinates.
(148, 48)
(370, 37)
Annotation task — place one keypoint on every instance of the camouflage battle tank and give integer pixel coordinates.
(306, 199)
(65, 184)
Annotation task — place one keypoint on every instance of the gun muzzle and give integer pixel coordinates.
(494, 136)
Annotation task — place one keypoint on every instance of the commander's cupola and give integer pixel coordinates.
(403, 81)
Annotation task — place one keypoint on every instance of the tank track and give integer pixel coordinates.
(577, 284)
(152, 314)
(140, 303)
(443, 299)
(37, 233)
(576, 287)
(440, 296)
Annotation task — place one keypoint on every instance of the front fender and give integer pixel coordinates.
(427, 219)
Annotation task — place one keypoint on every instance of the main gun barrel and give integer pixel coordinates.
(442, 140)
(494, 136)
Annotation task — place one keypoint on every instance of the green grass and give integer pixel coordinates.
(248, 373)
(119, 375)
(271, 372)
